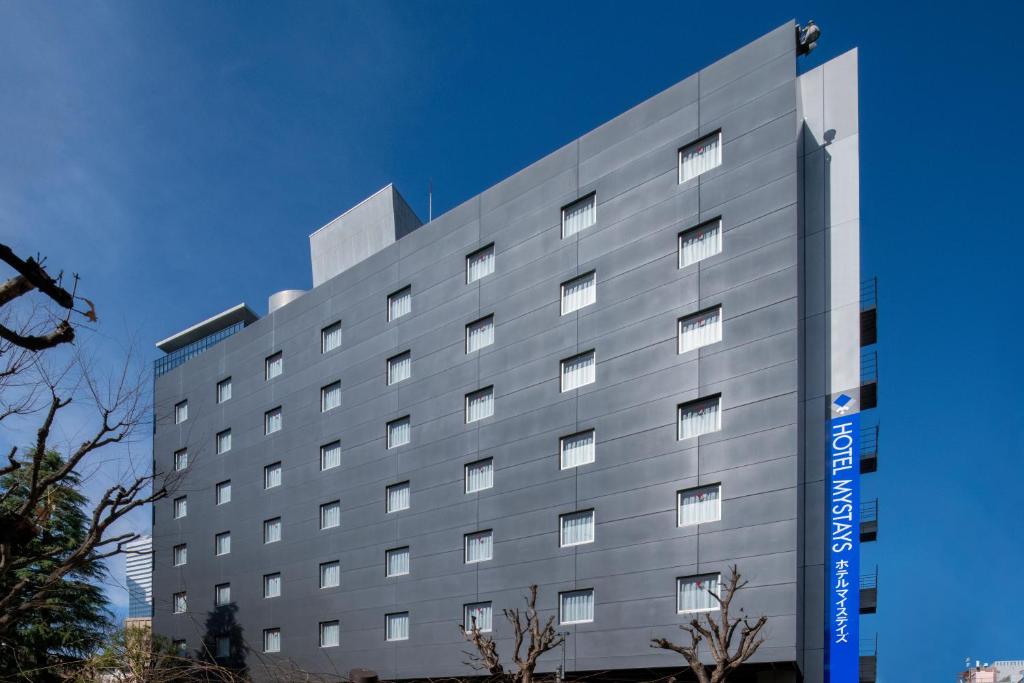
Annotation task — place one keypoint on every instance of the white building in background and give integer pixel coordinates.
(138, 562)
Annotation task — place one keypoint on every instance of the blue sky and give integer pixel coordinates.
(177, 155)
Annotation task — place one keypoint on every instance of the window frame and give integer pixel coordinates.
(267, 634)
(323, 451)
(325, 391)
(219, 488)
(561, 527)
(487, 318)
(217, 538)
(710, 398)
(337, 632)
(695, 577)
(694, 489)
(387, 626)
(182, 455)
(180, 507)
(325, 332)
(465, 475)
(387, 496)
(579, 200)
(325, 509)
(387, 561)
(388, 375)
(267, 469)
(268, 416)
(393, 295)
(703, 225)
(465, 545)
(273, 578)
(268, 525)
(561, 449)
(221, 385)
(182, 549)
(561, 606)
(217, 602)
(219, 441)
(592, 274)
(679, 155)
(181, 411)
(484, 391)
(561, 371)
(328, 564)
(466, 620)
(179, 598)
(696, 315)
(481, 250)
(387, 432)
(268, 364)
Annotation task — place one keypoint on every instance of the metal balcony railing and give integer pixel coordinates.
(868, 293)
(190, 351)
(869, 646)
(868, 367)
(868, 660)
(869, 449)
(869, 580)
(869, 520)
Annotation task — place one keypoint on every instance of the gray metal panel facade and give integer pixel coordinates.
(639, 551)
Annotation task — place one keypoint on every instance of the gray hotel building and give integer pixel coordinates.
(608, 375)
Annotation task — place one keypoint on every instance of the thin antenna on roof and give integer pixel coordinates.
(430, 200)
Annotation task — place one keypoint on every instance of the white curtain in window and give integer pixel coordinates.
(479, 404)
(329, 634)
(577, 606)
(275, 365)
(400, 303)
(701, 156)
(180, 555)
(223, 596)
(330, 455)
(579, 292)
(398, 626)
(479, 334)
(700, 243)
(397, 562)
(479, 264)
(577, 527)
(398, 497)
(181, 459)
(700, 330)
(272, 586)
(479, 475)
(330, 515)
(330, 397)
(693, 595)
(399, 432)
(700, 505)
(272, 531)
(478, 614)
(700, 417)
(579, 215)
(223, 647)
(330, 575)
(273, 420)
(224, 391)
(272, 476)
(224, 442)
(400, 367)
(180, 603)
(223, 492)
(578, 371)
(181, 412)
(272, 640)
(223, 542)
(330, 337)
(479, 546)
(578, 449)
(180, 507)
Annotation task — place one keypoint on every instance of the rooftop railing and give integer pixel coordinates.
(189, 351)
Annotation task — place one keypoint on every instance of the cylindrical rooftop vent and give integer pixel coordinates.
(285, 296)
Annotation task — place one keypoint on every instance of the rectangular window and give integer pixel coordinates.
(180, 459)
(579, 215)
(224, 390)
(223, 647)
(398, 497)
(399, 432)
(479, 404)
(180, 507)
(400, 303)
(697, 244)
(330, 455)
(180, 412)
(577, 449)
(272, 475)
(397, 561)
(701, 504)
(180, 555)
(700, 156)
(180, 647)
(576, 607)
(579, 371)
(700, 329)
(330, 634)
(330, 514)
(479, 546)
(272, 585)
(224, 442)
(480, 264)
(330, 397)
(694, 593)
(330, 337)
(272, 421)
(480, 334)
(399, 367)
(702, 416)
(579, 292)
(222, 594)
(271, 640)
(180, 603)
(478, 615)
(479, 475)
(577, 528)
(272, 530)
(222, 543)
(397, 626)
(273, 366)
(224, 492)
(330, 574)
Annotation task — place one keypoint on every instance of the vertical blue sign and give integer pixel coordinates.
(842, 552)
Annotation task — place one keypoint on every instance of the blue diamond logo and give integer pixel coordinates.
(842, 400)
